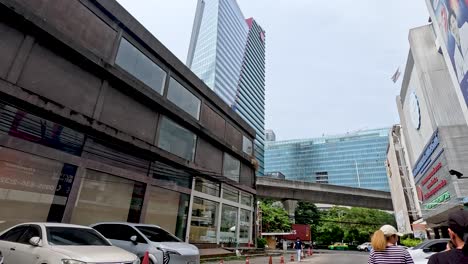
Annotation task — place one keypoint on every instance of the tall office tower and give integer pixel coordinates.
(227, 52)
(354, 159)
(270, 135)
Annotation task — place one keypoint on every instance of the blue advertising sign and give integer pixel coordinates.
(451, 17)
(425, 158)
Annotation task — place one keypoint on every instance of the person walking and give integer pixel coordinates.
(458, 232)
(298, 248)
(385, 250)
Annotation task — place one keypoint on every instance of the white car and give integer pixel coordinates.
(162, 246)
(51, 243)
(364, 247)
(423, 251)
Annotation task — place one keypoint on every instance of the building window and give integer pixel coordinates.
(208, 187)
(229, 225)
(171, 175)
(247, 146)
(169, 210)
(245, 226)
(176, 139)
(203, 226)
(247, 199)
(183, 98)
(230, 194)
(231, 167)
(140, 66)
(321, 177)
(23, 125)
(105, 197)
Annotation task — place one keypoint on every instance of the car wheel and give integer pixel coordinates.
(366, 249)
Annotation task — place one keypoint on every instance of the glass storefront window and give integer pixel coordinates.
(169, 210)
(231, 167)
(230, 194)
(245, 226)
(203, 227)
(208, 187)
(27, 187)
(229, 225)
(246, 199)
(176, 139)
(140, 66)
(104, 197)
(183, 98)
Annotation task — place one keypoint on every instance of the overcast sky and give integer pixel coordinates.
(329, 63)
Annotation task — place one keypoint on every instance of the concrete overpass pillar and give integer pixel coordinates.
(290, 207)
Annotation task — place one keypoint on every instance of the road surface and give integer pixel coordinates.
(335, 257)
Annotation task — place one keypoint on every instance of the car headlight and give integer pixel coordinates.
(72, 261)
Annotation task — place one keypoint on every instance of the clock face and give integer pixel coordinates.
(415, 111)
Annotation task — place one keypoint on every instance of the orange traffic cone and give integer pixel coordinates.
(282, 260)
(270, 261)
(247, 260)
(292, 258)
(146, 258)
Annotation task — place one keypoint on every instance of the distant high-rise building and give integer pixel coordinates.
(354, 159)
(270, 135)
(227, 52)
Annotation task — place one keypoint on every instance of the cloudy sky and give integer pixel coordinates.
(329, 63)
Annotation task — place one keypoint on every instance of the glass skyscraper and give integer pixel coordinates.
(354, 159)
(227, 52)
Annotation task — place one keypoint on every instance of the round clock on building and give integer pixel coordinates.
(415, 111)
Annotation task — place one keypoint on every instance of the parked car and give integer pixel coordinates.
(162, 246)
(423, 251)
(338, 246)
(364, 247)
(52, 243)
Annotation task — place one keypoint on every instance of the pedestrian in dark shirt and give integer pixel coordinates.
(458, 232)
(298, 248)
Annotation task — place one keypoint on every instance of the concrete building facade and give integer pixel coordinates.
(355, 159)
(100, 122)
(434, 128)
(227, 52)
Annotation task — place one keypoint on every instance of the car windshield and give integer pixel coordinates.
(156, 234)
(71, 236)
(421, 245)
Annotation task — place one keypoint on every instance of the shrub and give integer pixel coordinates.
(261, 242)
(410, 242)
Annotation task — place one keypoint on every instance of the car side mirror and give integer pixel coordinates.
(134, 239)
(35, 241)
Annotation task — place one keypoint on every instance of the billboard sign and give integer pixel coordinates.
(451, 18)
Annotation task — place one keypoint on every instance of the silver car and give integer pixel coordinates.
(163, 247)
(32, 243)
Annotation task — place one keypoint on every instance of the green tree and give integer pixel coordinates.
(306, 213)
(274, 218)
(357, 223)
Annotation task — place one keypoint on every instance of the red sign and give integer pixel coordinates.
(432, 173)
(435, 190)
